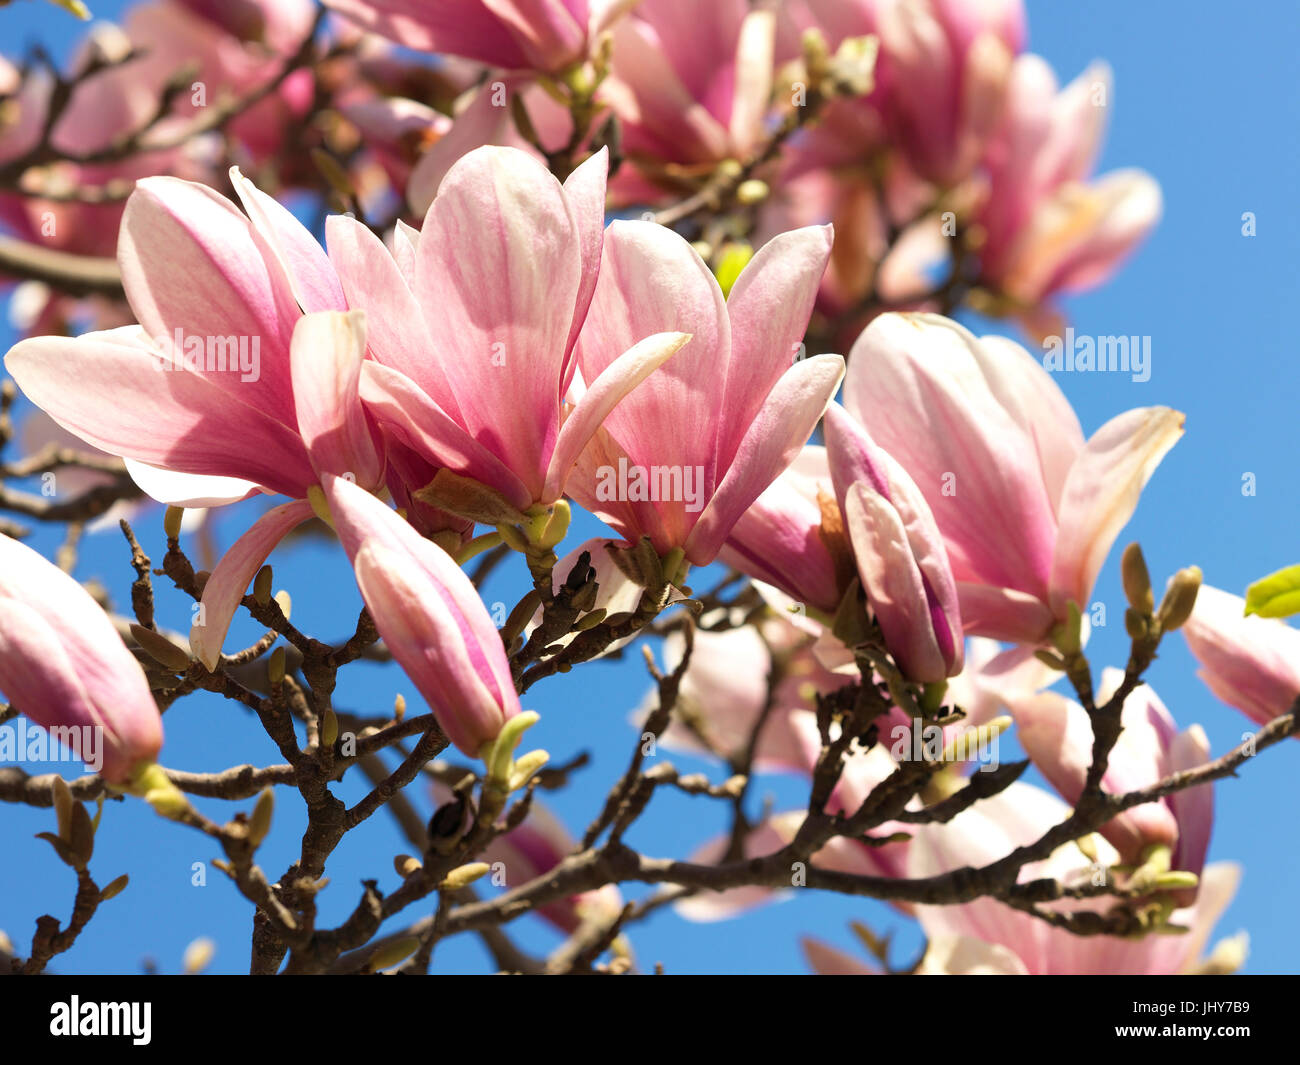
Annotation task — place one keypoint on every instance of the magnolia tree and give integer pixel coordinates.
(410, 283)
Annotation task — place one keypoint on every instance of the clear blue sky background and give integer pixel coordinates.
(1206, 100)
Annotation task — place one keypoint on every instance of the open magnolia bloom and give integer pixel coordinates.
(1050, 227)
(1017, 816)
(63, 664)
(473, 324)
(1027, 507)
(1057, 735)
(682, 458)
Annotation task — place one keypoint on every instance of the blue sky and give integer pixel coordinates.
(1206, 100)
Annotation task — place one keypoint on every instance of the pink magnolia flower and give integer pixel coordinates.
(248, 363)
(1048, 227)
(1057, 736)
(990, 830)
(64, 666)
(1251, 663)
(430, 617)
(1028, 509)
(542, 35)
(683, 458)
(690, 84)
(473, 321)
(941, 75)
(899, 552)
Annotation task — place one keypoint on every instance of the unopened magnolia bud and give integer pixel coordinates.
(329, 728)
(284, 602)
(399, 707)
(262, 585)
(1137, 580)
(406, 865)
(1136, 624)
(172, 519)
(113, 888)
(1180, 598)
(464, 875)
(590, 621)
(160, 649)
(62, 806)
(275, 666)
(393, 953)
(81, 836)
(198, 956)
(260, 823)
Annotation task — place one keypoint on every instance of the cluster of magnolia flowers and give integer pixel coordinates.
(456, 386)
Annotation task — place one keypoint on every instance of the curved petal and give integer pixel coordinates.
(415, 419)
(236, 570)
(614, 383)
(498, 273)
(93, 385)
(774, 439)
(306, 268)
(396, 334)
(1101, 492)
(920, 384)
(328, 350)
(768, 307)
(190, 490)
(190, 264)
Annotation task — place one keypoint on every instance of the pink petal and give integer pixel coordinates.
(230, 580)
(1101, 493)
(286, 241)
(614, 383)
(328, 350)
(92, 386)
(395, 331)
(416, 420)
(498, 275)
(190, 262)
(769, 307)
(773, 440)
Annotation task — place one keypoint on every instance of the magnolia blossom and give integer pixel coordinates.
(1028, 509)
(940, 75)
(63, 664)
(430, 617)
(1047, 227)
(1057, 735)
(248, 363)
(540, 35)
(473, 321)
(1252, 663)
(682, 458)
(899, 552)
(1018, 816)
(690, 85)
